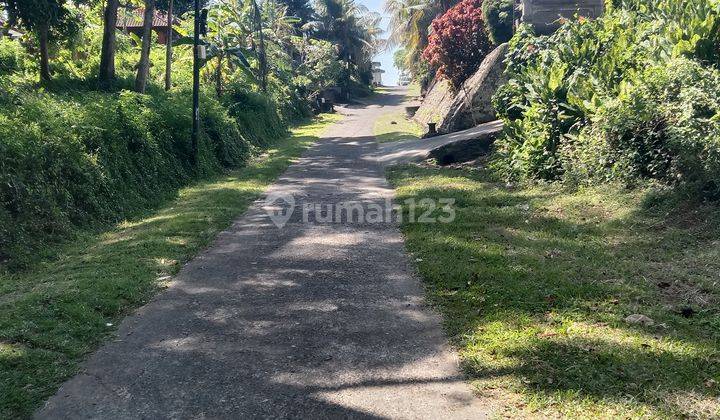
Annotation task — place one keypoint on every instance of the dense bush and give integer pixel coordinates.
(631, 95)
(458, 42)
(13, 57)
(77, 159)
(256, 115)
(667, 127)
(498, 17)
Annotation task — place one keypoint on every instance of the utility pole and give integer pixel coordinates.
(168, 47)
(196, 85)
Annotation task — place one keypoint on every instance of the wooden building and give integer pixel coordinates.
(131, 21)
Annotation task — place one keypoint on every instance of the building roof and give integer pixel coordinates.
(6, 29)
(134, 19)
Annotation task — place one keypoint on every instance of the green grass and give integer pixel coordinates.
(535, 283)
(53, 314)
(402, 129)
(413, 89)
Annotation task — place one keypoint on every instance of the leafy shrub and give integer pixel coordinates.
(320, 68)
(626, 96)
(12, 56)
(498, 17)
(665, 127)
(458, 42)
(258, 118)
(688, 27)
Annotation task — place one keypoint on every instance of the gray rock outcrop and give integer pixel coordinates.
(436, 105)
(464, 150)
(472, 105)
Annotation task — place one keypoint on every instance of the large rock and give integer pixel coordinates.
(436, 104)
(464, 150)
(473, 103)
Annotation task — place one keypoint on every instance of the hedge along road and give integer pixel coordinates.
(314, 319)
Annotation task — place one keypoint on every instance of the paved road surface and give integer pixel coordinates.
(310, 321)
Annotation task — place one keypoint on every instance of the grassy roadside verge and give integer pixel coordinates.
(52, 315)
(395, 127)
(535, 284)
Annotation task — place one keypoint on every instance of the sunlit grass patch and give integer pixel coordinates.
(535, 283)
(53, 314)
(395, 127)
(413, 89)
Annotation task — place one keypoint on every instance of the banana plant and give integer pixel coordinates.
(234, 37)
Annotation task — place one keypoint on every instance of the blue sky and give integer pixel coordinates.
(390, 77)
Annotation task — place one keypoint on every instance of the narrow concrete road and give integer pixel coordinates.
(314, 320)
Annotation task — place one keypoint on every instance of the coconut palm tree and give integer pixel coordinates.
(353, 27)
(410, 24)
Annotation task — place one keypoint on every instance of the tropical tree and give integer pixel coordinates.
(410, 26)
(107, 52)
(41, 17)
(319, 67)
(229, 31)
(353, 28)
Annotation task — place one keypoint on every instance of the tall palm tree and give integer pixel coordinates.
(410, 24)
(352, 26)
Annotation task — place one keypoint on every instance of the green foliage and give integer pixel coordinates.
(74, 160)
(626, 96)
(356, 31)
(399, 59)
(13, 57)
(258, 118)
(320, 67)
(688, 27)
(72, 157)
(665, 127)
(33, 14)
(54, 314)
(458, 42)
(498, 16)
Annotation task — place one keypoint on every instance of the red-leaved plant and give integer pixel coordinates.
(458, 42)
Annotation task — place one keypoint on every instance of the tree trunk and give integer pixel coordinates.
(43, 31)
(144, 64)
(261, 56)
(218, 76)
(168, 47)
(107, 54)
